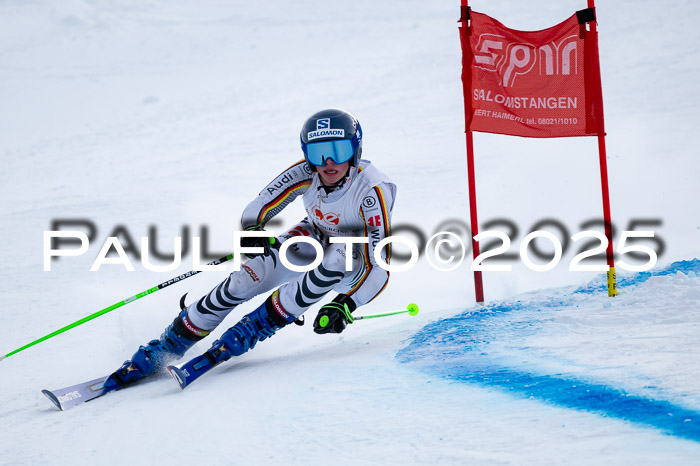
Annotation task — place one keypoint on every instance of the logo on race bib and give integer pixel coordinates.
(329, 218)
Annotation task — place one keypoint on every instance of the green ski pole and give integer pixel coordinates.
(411, 309)
(115, 306)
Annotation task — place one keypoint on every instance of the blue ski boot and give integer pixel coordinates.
(260, 324)
(177, 338)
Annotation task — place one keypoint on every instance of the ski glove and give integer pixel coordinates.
(335, 316)
(266, 243)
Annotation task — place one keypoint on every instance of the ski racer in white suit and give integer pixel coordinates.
(344, 196)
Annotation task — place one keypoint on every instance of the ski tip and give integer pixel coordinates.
(178, 376)
(2, 357)
(53, 399)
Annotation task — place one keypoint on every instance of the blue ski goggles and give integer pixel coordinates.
(338, 150)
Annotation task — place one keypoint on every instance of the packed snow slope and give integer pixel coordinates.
(550, 346)
(140, 116)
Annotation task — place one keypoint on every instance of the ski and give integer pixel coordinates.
(69, 397)
(191, 370)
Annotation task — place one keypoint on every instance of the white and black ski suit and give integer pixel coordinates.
(361, 206)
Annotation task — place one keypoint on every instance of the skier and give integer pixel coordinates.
(343, 196)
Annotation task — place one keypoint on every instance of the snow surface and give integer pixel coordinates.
(141, 113)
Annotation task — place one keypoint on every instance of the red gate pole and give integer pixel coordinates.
(478, 280)
(471, 179)
(612, 280)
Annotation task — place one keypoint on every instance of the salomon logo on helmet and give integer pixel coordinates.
(323, 130)
(326, 133)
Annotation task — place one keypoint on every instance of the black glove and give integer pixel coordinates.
(266, 243)
(335, 316)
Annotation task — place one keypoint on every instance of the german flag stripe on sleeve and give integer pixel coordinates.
(385, 221)
(387, 233)
(279, 200)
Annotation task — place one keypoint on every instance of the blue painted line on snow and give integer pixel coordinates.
(457, 349)
(690, 268)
